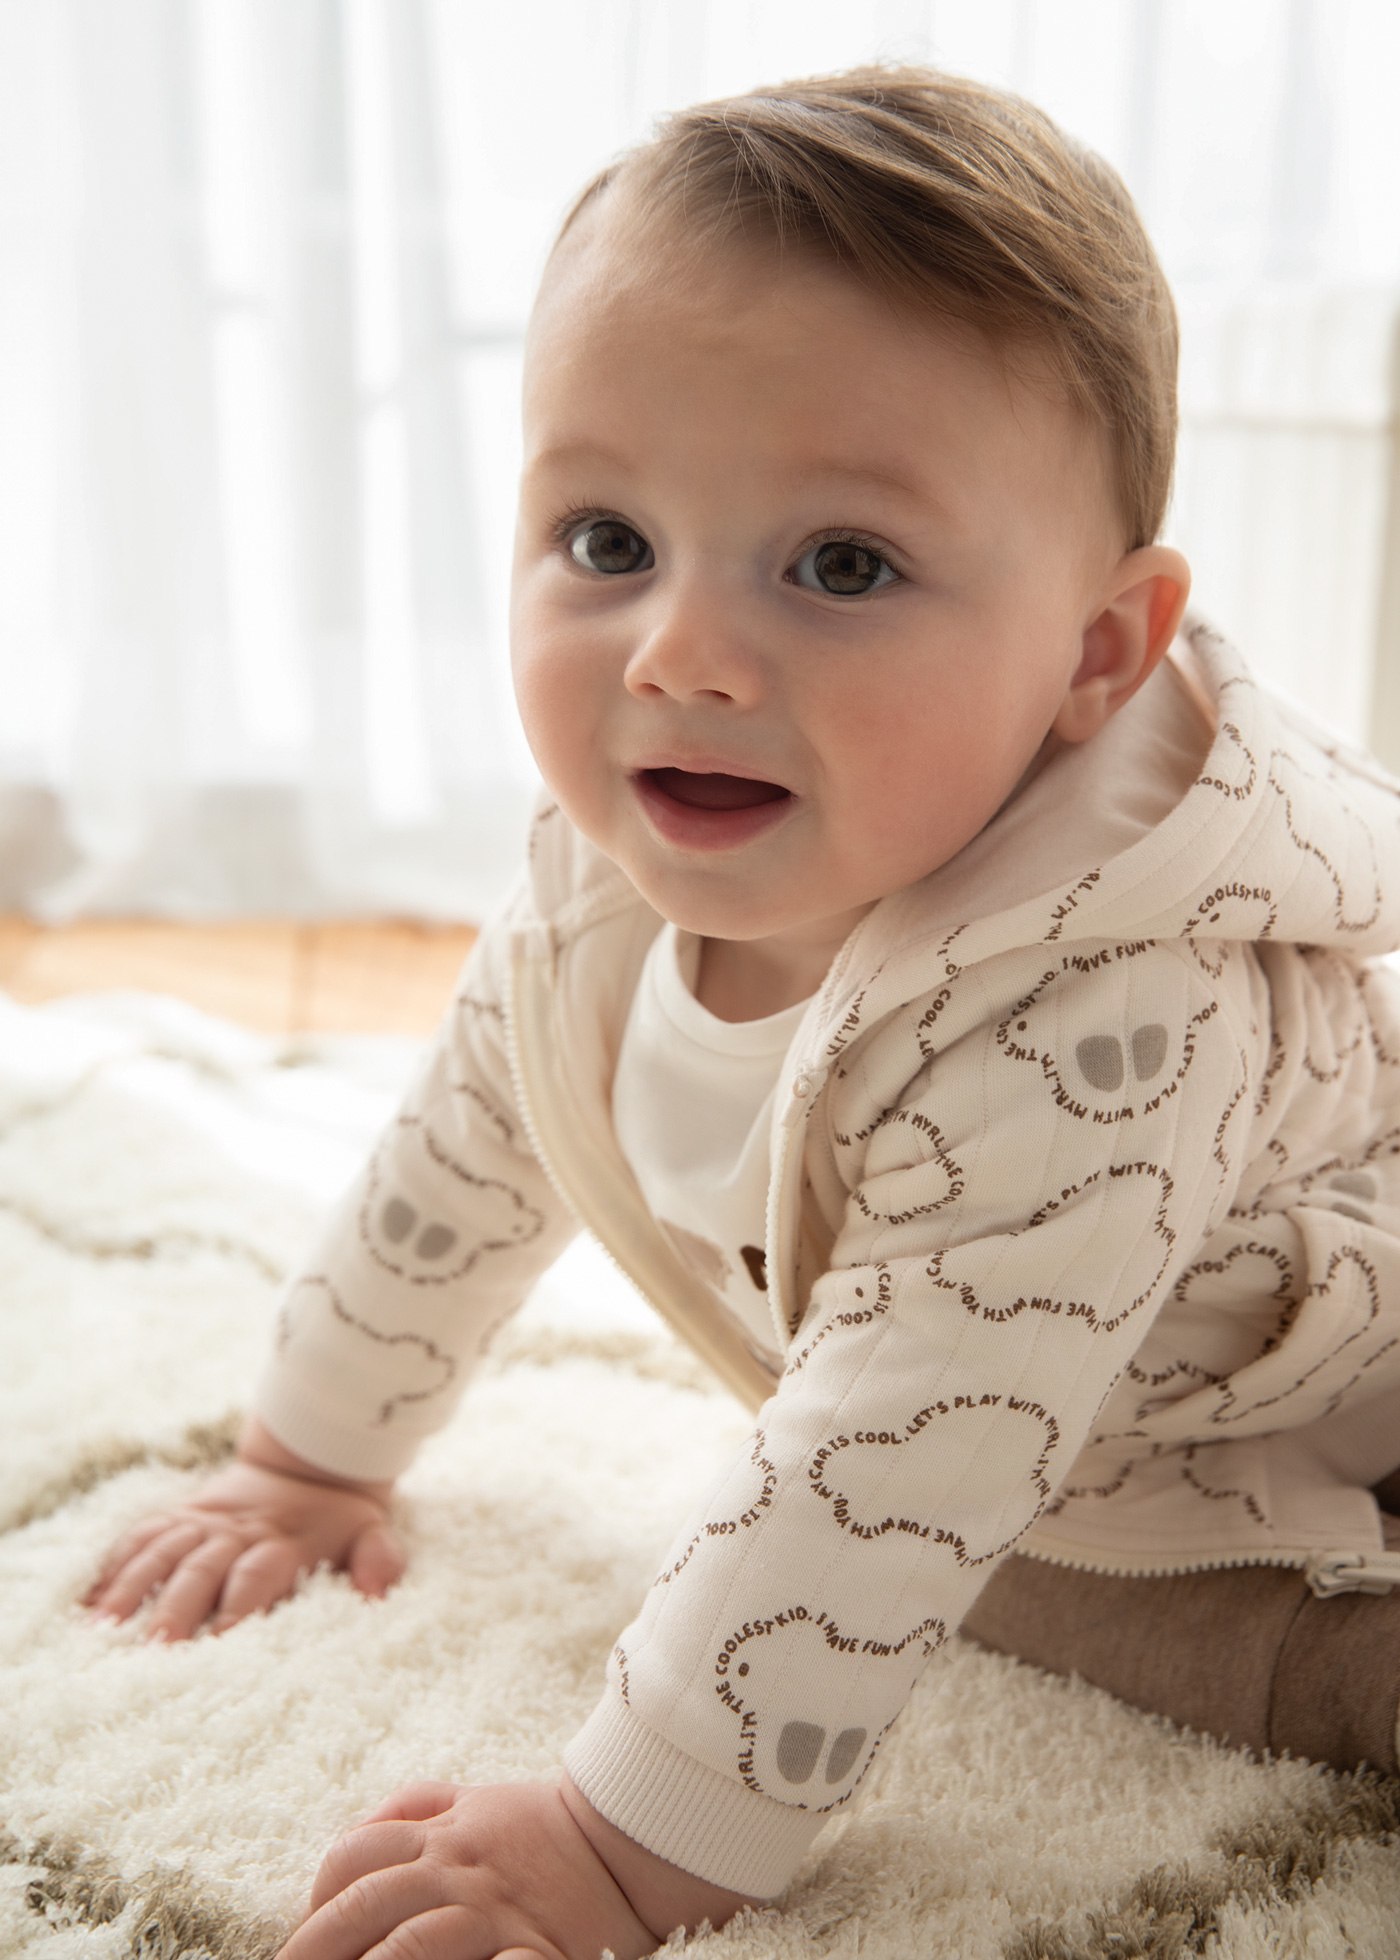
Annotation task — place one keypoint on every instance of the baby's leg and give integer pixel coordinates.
(1246, 1653)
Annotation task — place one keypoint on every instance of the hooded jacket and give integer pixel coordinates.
(1083, 1238)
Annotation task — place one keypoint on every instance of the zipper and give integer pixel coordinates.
(1327, 1573)
(806, 1086)
(510, 1021)
(1365, 1572)
(527, 1114)
(731, 1360)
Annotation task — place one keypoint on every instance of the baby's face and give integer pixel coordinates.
(770, 685)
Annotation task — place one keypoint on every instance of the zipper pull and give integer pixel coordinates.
(1340, 1572)
(806, 1085)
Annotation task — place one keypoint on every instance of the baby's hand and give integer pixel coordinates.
(243, 1541)
(500, 1871)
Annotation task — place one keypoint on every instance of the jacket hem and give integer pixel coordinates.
(684, 1811)
(1159, 1564)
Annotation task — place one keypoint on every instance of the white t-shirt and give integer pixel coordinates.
(692, 1100)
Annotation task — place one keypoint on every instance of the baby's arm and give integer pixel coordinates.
(432, 1247)
(241, 1543)
(1000, 1260)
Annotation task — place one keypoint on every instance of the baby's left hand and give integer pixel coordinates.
(444, 1871)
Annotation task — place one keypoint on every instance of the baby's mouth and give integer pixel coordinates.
(714, 792)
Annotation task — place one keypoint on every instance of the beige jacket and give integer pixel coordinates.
(1083, 1237)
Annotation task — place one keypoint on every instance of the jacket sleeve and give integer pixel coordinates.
(431, 1249)
(1020, 1209)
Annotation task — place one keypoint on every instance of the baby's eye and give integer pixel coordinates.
(851, 564)
(613, 542)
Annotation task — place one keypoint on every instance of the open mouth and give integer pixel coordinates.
(714, 792)
(709, 810)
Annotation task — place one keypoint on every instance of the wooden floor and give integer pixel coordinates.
(362, 977)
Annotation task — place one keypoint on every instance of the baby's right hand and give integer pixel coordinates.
(242, 1542)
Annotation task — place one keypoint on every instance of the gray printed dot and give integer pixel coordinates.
(844, 1751)
(435, 1241)
(397, 1220)
(1100, 1056)
(1149, 1050)
(799, 1745)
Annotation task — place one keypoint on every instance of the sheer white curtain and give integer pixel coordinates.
(264, 269)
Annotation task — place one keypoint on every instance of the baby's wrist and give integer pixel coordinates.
(259, 1447)
(660, 1893)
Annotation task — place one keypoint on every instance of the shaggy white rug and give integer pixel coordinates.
(159, 1173)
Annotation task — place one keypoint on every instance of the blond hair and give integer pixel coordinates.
(935, 191)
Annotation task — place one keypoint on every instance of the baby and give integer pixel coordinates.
(943, 979)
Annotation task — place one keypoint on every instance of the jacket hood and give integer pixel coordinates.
(1272, 829)
(1207, 809)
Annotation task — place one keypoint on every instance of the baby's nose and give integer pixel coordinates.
(694, 650)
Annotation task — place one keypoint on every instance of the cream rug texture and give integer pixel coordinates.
(160, 1172)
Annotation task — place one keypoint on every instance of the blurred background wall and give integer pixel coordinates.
(265, 267)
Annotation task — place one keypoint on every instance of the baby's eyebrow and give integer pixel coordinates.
(572, 452)
(826, 469)
(863, 473)
(929, 500)
(865, 476)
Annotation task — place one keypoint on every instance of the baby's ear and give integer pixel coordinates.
(1136, 622)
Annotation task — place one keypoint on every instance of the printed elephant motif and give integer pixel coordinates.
(1096, 1071)
(909, 1167)
(1228, 1307)
(852, 1473)
(474, 1107)
(422, 1247)
(403, 1366)
(1231, 769)
(751, 1502)
(1326, 1342)
(1137, 1197)
(1217, 1475)
(1228, 915)
(1100, 1056)
(1339, 860)
(813, 1701)
(433, 1240)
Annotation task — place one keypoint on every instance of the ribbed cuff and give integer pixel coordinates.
(300, 1423)
(684, 1811)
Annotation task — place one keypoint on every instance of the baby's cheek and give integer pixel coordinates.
(909, 809)
(551, 698)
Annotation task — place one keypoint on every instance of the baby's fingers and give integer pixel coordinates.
(125, 1548)
(147, 1567)
(192, 1591)
(366, 1850)
(415, 1803)
(257, 1579)
(376, 1560)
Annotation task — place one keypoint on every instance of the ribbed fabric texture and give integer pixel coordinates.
(687, 1813)
(303, 1423)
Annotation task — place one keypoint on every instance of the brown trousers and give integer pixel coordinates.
(1246, 1653)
